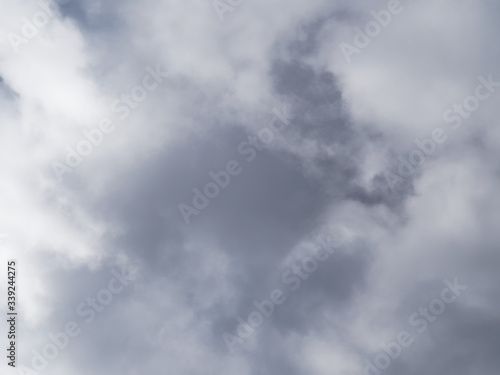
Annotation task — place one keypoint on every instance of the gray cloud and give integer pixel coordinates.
(324, 171)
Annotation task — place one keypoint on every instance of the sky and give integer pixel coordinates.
(253, 187)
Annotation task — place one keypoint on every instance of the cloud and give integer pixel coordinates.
(323, 172)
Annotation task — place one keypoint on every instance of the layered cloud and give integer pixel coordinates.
(97, 159)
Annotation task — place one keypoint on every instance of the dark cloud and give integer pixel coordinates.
(324, 172)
